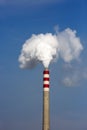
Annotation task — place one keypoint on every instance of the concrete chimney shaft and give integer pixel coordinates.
(46, 110)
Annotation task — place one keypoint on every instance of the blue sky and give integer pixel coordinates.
(21, 90)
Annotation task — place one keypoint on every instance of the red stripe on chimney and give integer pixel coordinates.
(46, 85)
(46, 79)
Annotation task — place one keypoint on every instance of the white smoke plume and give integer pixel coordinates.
(45, 48)
(39, 48)
(70, 45)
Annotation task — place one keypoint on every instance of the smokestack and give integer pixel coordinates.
(46, 110)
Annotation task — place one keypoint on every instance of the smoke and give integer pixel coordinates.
(46, 48)
(39, 48)
(72, 80)
(70, 45)
(73, 74)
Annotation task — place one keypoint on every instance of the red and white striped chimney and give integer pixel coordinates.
(46, 80)
(46, 110)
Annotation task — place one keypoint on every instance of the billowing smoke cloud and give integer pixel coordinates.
(70, 45)
(45, 48)
(39, 48)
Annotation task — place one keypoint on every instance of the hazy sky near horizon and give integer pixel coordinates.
(21, 90)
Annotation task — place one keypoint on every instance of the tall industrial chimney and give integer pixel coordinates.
(46, 111)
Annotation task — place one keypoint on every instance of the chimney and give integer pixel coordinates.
(46, 110)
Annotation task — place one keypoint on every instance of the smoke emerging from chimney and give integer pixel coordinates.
(46, 48)
(70, 45)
